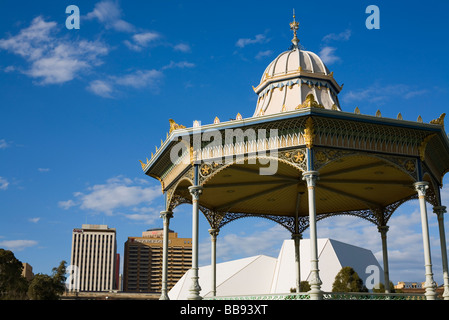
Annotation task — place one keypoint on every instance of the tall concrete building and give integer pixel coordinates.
(27, 271)
(94, 259)
(142, 270)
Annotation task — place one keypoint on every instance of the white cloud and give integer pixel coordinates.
(109, 14)
(382, 93)
(66, 204)
(142, 40)
(263, 54)
(182, 47)
(342, 36)
(34, 220)
(17, 245)
(3, 183)
(327, 54)
(415, 93)
(139, 78)
(118, 193)
(43, 169)
(259, 38)
(145, 38)
(9, 69)
(52, 59)
(3, 144)
(145, 218)
(101, 88)
(181, 64)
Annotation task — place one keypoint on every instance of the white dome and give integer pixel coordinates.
(290, 78)
(290, 61)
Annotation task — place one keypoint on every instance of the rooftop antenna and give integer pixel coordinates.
(294, 26)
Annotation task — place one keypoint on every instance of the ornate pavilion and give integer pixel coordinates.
(300, 159)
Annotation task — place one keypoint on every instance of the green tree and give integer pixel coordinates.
(45, 287)
(12, 285)
(347, 280)
(381, 288)
(304, 286)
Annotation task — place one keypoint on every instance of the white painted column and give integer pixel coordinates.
(383, 233)
(440, 211)
(315, 281)
(430, 284)
(166, 216)
(195, 288)
(213, 238)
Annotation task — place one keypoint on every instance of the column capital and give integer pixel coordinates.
(296, 236)
(421, 187)
(439, 210)
(166, 214)
(383, 229)
(311, 177)
(214, 232)
(196, 191)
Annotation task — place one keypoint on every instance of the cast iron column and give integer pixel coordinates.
(383, 234)
(430, 284)
(213, 237)
(315, 281)
(165, 215)
(195, 288)
(440, 211)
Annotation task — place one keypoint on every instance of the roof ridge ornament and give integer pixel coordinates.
(294, 25)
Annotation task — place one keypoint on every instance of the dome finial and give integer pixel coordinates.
(294, 26)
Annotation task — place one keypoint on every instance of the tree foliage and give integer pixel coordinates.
(44, 287)
(347, 280)
(12, 284)
(381, 288)
(304, 286)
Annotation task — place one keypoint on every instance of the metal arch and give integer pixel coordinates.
(286, 221)
(206, 179)
(171, 192)
(351, 153)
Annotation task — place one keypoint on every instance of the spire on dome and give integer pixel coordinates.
(294, 26)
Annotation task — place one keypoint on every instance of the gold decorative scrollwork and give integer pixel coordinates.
(205, 169)
(409, 165)
(298, 157)
(320, 156)
(309, 133)
(310, 102)
(174, 125)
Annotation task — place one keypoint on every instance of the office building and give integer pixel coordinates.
(94, 259)
(27, 271)
(142, 270)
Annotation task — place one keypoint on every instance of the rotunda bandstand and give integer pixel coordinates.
(300, 159)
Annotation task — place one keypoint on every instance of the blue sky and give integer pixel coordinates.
(79, 108)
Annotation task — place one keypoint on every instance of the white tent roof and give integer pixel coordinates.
(332, 256)
(267, 275)
(238, 277)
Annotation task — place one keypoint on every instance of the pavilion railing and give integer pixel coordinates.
(326, 296)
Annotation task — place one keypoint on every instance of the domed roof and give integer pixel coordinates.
(295, 60)
(296, 79)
